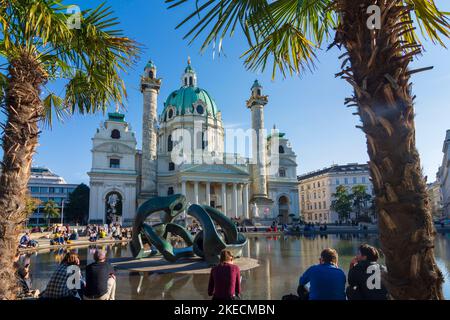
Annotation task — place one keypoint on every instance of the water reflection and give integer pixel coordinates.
(282, 259)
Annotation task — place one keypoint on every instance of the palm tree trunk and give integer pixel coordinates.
(380, 77)
(20, 138)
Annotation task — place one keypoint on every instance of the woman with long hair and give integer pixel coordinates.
(225, 279)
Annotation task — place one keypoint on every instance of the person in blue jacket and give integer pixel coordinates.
(326, 279)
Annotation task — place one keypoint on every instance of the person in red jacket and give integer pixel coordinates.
(225, 279)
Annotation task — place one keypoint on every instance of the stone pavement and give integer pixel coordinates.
(159, 265)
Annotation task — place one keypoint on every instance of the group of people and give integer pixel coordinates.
(26, 241)
(323, 281)
(63, 235)
(274, 227)
(67, 282)
(328, 282)
(113, 230)
(194, 227)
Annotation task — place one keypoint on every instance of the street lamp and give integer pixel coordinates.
(62, 212)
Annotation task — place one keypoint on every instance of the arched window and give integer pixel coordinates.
(170, 191)
(280, 149)
(282, 172)
(171, 166)
(115, 134)
(204, 142)
(258, 92)
(191, 82)
(185, 81)
(200, 140)
(169, 144)
(151, 74)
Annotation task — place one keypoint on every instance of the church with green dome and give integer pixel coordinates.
(183, 151)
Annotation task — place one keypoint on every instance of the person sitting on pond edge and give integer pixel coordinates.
(326, 279)
(225, 279)
(100, 279)
(364, 276)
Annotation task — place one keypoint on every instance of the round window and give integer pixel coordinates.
(115, 134)
(200, 109)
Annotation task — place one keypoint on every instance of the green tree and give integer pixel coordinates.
(361, 200)
(51, 211)
(31, 204)
(286, 34)
(342, 203)
(77, 209)
(42, 41)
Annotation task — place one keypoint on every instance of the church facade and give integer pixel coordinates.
(183, 151)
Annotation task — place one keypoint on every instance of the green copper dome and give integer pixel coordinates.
(116, 116)
(256, 85)
(185, 100)
(189, 69)
(150, 65)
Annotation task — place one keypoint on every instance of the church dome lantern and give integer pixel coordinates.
(150, 70)
(189, 78)
(189, 99)
(256, 89)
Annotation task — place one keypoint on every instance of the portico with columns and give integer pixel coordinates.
(223, 187)
(227, 196)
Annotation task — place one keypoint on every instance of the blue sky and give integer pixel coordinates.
(309, 109)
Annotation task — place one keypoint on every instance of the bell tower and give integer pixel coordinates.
(258, 174)
(150, 86)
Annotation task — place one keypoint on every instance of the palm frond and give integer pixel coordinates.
(288, 48)
(432, 22)
(222, 16)
(92, 57)
(285, 32)
(53, 106)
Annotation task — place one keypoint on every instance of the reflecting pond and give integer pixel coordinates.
(282, 260)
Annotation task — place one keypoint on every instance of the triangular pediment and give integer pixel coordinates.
(114, 147)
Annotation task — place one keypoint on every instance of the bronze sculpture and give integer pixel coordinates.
(207, 244)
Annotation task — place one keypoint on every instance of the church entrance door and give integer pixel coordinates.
(283, 209)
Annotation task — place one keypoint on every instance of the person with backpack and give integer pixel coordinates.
(364, 276)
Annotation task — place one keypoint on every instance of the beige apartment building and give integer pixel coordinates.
(435, 194)
(443, 176)
(316, 189)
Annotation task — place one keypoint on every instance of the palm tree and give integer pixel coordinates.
(376, 64)
(50, 210)
(41, 43)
